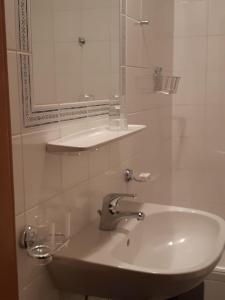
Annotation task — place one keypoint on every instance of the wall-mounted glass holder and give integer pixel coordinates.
(42, 248)
(167, 85)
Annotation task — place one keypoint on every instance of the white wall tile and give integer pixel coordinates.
(188, 153)
(93, 4)
(188, 121)
(163, 18)
(67, 5)
(139, 89)
(192, 88)
(133, 9)
(15, 104)
(72, 127)
(92, 20)
(199, 189)
(189, 188)
(138, 52)
(40, 288)
(215, 88)
(42, 21)
(18, 174)
(190, 54)
(76, 201)
(42, 170)
(10, 17)
(214, 122)
(216, 17)
(162, 53)
(67, 24)
(123, 150)
(216, 56)
(148, 11)
(68, 71)
(74, 169)
(43, 78)
(191, 18)
(98, 161)
(20, 224)
(100, 84)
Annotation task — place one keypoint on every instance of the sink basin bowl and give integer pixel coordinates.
(168, 253)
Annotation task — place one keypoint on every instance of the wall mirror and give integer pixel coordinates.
(69, 58)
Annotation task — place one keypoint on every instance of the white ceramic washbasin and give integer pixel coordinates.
(168, 253)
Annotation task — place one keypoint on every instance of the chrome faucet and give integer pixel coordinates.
(111, 216)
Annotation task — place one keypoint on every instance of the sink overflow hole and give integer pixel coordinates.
(128, 242)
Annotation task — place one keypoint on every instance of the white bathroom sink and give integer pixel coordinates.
(168, 253)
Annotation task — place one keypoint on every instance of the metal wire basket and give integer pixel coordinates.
(165, 84)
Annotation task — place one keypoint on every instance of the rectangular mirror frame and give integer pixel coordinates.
(45, 114)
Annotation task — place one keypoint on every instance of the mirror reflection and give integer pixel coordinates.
(75, 50)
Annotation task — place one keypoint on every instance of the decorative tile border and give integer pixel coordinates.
(38, 115)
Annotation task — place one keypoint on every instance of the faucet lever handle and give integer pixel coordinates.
(113, 205)
(110, 202)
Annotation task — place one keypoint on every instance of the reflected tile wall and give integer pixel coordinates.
(56, 29)
(47, 186)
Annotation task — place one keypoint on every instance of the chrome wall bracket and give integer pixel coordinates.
(28, 237)
(143, 22)
(129, 176)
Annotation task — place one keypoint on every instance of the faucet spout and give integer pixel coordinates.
(111, 216)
